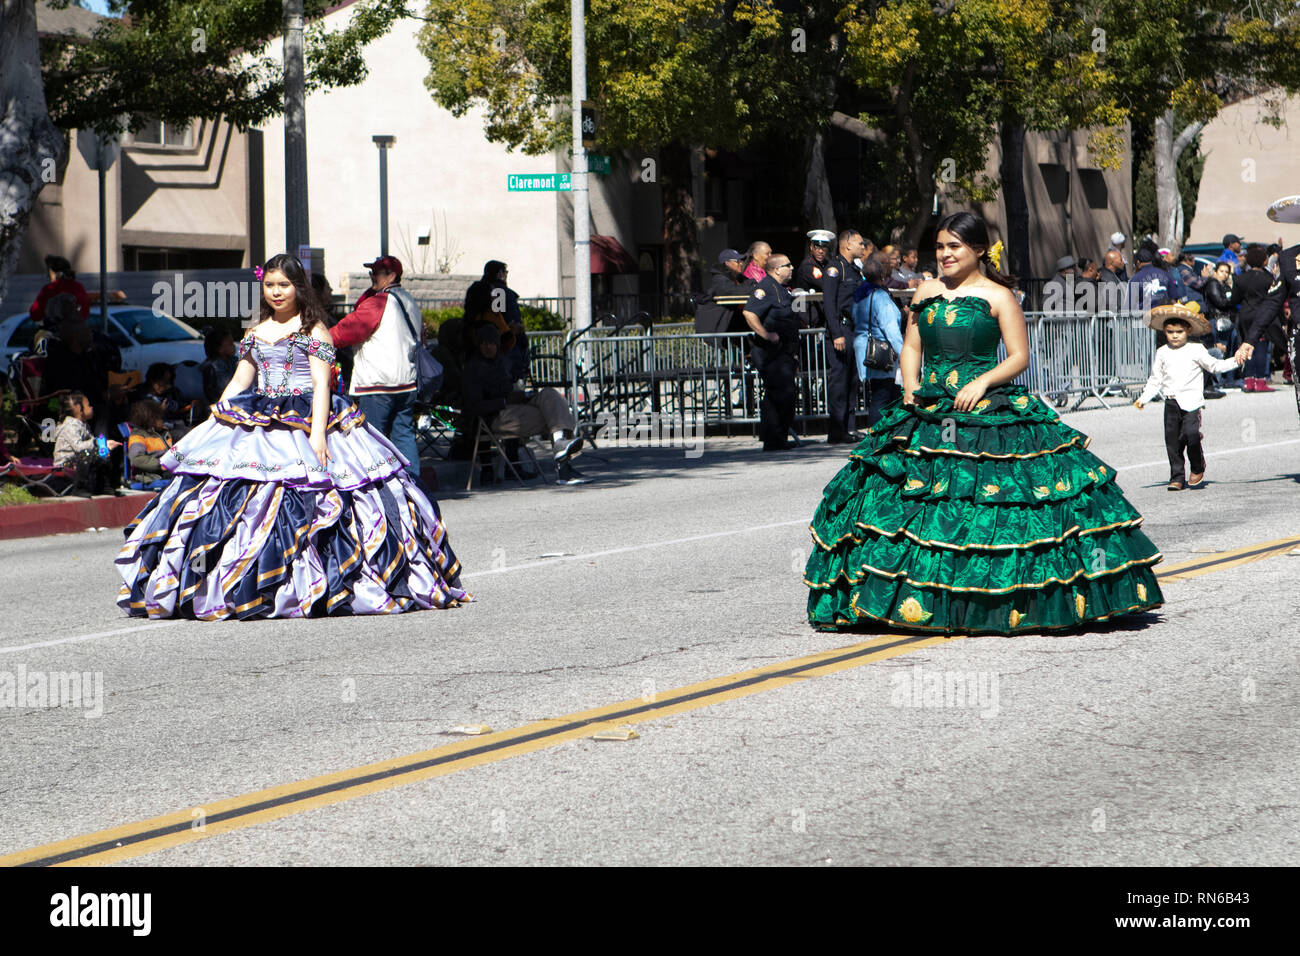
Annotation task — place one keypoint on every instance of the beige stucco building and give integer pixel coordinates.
(1248, 164)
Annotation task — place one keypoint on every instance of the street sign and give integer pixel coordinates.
(596, 163)
(588, 125)
(96, 150)
(539, 182)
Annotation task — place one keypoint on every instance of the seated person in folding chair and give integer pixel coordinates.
(149, 439)
(160, 387)
(489, 393)
(75, 449)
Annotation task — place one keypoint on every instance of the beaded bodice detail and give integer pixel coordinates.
(284, 366)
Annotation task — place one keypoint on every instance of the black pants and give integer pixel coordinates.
(776, 367)
(1183, 433)
(841, 388)
(880, 391)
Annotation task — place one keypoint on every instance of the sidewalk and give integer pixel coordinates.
(67, 515)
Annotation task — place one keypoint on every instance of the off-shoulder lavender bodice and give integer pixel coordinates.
(284, 366)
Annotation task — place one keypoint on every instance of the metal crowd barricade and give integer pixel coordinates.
(707, 378)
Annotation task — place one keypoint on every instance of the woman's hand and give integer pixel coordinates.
(970, 394)
(317, 441)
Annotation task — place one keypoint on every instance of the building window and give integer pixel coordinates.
(172, 135)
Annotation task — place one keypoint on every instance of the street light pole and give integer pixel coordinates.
(384, 143)
(295, 131)
(578, 177)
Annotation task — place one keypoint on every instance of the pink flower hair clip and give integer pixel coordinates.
(257, 271)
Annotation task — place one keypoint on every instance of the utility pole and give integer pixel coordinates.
(581, 197)
(295, 132)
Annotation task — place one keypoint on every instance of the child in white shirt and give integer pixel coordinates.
(1176, 374)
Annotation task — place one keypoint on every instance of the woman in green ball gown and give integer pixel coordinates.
(970, 508)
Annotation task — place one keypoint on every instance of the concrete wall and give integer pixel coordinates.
(1074, 205)
(1248, 164)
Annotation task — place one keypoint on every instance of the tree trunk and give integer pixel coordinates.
(1167, 149)
(818, 211)
(681, 240)
(31, 146)
(922, 162)
(1012, 172)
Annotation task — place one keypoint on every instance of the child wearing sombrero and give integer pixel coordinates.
(1176, 374)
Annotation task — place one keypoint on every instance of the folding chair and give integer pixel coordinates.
(39, 476)
(128, 473)
(484, 431)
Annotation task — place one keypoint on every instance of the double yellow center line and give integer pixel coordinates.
(148, 836)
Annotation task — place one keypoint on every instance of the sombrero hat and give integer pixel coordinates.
(1285, 210)
(1189, 313)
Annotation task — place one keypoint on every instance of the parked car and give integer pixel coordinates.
(143, 335)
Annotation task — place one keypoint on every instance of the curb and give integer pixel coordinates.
(70, 515)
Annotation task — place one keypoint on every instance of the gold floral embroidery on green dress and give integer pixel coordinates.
(951, 379)
(1020, 402)
(914, 484)
(1142, 592)
(912, 612)
(1041, 491)
(1014, 619)
(991, 490)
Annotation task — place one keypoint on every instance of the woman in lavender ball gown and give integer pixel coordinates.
(285, 503)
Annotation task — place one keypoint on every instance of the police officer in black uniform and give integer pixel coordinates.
(812, 270)
(770, 314)
(842, 277)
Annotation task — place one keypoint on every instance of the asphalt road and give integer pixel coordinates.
(1169, 738)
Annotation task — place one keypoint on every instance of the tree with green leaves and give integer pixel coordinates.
(1174, 64)
(667, 77)
(174, 60)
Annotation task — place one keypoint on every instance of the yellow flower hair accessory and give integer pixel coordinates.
(995, 255)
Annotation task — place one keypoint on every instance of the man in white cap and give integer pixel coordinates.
(1117, 246)
(809, 274)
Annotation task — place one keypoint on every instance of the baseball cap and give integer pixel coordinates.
(386, 264)
(1230, 238)
(729, 255)
(1117, 238)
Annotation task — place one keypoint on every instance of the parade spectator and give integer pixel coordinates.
(726, 279)
(385, 328)
(59, 310)
(62, 280)
(876, 316)
(1261, 328)
(219, 366)
(490, 300)
(160, 386)
(906, 270)
(148, 441)
(1231, 252)
(1060, 292)
(1121, 262)
(75, 449)
(756, 260)
(72, 363)
(489, 393)
(1150, 286)
(1191, 277)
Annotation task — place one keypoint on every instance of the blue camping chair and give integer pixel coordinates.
(128, 479)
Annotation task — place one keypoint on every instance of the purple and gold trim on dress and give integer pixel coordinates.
(343, 417)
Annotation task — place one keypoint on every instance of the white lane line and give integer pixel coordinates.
(1216, 454)
(637, 547)
(86, 637)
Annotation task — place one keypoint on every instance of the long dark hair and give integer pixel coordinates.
(310, 310)
(973, 231)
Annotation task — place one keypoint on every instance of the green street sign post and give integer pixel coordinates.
(597, 163)
(538, 182)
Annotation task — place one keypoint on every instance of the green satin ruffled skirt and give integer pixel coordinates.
(996, 520)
